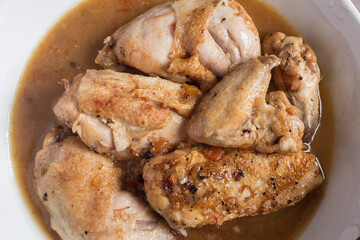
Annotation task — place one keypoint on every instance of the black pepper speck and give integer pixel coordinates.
(45, 197)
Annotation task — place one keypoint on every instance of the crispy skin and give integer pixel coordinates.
(199, 39)
(196, 187)
(237, 112)
(82, 192)
(125, 114)
(298, 76)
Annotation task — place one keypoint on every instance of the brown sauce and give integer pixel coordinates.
(70, 48)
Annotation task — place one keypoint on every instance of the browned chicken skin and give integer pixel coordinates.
(124, 114)
(82, 192)
(298, 76)
(237, 112)
(199, 39)
(196, 187)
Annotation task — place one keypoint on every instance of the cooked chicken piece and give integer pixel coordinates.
(143, 43)
(82, 192)
(199, 39)
(195, 187)
(298, 75)
(126, 114)
(237, 113)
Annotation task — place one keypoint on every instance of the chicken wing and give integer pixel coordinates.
(298, 75)
(237, 113)
(126, 115)
(82, 192)
(199, 39)
(192, 187)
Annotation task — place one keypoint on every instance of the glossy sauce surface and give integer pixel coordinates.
(70, 48)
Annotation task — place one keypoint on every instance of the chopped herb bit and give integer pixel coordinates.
(108, 121)
(122, 52)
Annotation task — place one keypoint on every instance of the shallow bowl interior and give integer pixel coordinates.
(331, 27)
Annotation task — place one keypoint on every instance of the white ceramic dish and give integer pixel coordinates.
(332, 27)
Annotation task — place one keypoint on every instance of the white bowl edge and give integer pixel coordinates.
(338, 217)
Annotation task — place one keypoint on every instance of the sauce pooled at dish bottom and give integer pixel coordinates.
(71, 47)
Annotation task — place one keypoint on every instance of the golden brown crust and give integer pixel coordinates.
(191, 189)
(137, 112)
(192, 67)
(116, 94)
(189, 35)
(124, 114)
(190, 28)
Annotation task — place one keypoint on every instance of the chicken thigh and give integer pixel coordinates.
(237, 112)
(82, 192)
(126, 115)
(199, 39)
(192, 187)
(298, 75)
